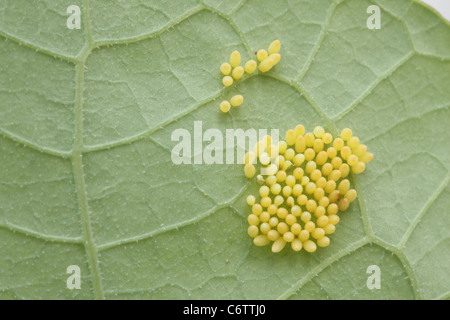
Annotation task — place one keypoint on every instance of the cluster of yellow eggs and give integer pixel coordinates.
(304, 188)
(233, 71)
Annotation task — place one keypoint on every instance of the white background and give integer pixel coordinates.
(442, 6)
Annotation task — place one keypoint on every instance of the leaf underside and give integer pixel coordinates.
(86, 118)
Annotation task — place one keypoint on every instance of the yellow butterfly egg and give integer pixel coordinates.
(235, 59)
(273, 235)
(290, 180)
(264, 158)
(309, 154)
(252, 231)
(367, 157)
(350, 195)
(227, 81)
(360, 150)
(330, 186)
(334, 175)
(275, 47)
(305, 217)
(323, 242)
(346, 134)
(249, 170)
(319, 132)
(236, 100)
(304, 181)
(272, 209)
(319, 193)
(261, 241)
(359, 167)
(318, 145)
(309, 246)
(333, 219)
(344, 186)
(271, 180)
(338, 144)
(352, 160)
(353, 142)
(253, 219)
(309, 139)
(225, 106)
(281, 176)
(322, 221)
(298, 173)
(265, 65)
(332, 209)
(311, 205)
(275, 189)
(303, 235)
(275, 57)
(251, 200)
(237, 73)
(296, 245)
(310, 167)
(299, 130)
(326, 169)
(261, 55)
(282, 228)
(278, 245)
(290, 137)
(336, 162)
(264, 227)
(266, 201)
(278, 200)
(300, 144)
(327, 138)
(225, 68)
(297, 190)
(264, 216)
(310, 226)
(287, 191)
(289, 154)
(296, 211)
(321, 158)
(257, 209)
(310, 188)
(264, 191)
(315, 175)
(302, 199)
(334, 196)
(298, 159)
(282, 146)
(291, 219)
(331, 152)
(288, 236)
(250, 66)
(324, 202)
(343, 204)
(344, 169)
(282, 213)
(329, 228)
(318, 233)
(320, 211)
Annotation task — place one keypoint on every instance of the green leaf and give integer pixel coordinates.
(86, 176)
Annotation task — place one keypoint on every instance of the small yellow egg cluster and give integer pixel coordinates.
(233, 71)
(268, 59)
(305, 187)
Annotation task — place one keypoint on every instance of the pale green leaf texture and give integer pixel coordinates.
(86, 176)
